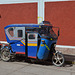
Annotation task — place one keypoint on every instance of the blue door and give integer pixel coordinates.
(32, 44)
(19, 40)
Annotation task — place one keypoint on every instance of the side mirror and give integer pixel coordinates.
(58, 33)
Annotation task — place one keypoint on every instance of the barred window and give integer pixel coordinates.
(20, 33)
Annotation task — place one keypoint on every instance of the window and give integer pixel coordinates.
(10, 30)
(20, 33)
(31, 36)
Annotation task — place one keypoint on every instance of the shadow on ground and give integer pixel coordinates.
(69, 61)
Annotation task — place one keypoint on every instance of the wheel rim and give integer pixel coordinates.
(58, 59)
(5, 55)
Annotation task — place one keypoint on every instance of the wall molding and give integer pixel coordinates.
(17, 1)
(60, 46)
(28, 1)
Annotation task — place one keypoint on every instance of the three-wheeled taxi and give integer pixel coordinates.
(36, 41)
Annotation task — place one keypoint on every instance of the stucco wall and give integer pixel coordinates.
(62, 14)
(16, 13)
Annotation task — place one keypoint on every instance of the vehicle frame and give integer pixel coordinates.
(35, 41)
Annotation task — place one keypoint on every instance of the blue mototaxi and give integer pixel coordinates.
(36, 41)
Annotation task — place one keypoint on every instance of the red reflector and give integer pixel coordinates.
(21, 44)
(0, 44)
(6, 45)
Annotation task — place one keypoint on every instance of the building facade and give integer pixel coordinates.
(60, 13)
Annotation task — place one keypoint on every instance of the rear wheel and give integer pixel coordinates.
(5, 54)
(58, 59)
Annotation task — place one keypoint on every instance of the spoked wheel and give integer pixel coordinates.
(58, 59)
(5, 54)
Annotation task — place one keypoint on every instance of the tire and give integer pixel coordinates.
(58, 59)
(5, 54)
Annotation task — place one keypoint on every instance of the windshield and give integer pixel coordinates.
(47, 31)
(52, 32)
